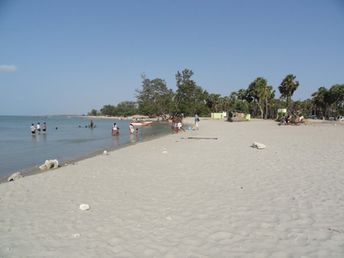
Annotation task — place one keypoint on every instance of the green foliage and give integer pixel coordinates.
(337, 98)
(108, 110)
(288, 87)
(279, 116)
(93, 112)
(238, 101)
(213, 102)
(304, 107)
(260, 93)
(125, 108)
(154, 98)
(329, 102)
(190, 99)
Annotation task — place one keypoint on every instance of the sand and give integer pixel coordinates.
(194, 198)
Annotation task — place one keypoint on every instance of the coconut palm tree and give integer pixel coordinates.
(337, 98)
(261, 93)
(288, 87)
(320, 100)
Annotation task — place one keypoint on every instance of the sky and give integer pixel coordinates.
(68, 57)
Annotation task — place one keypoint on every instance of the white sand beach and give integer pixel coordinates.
(177, 197)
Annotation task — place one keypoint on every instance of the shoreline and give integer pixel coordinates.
(203, 193)
(123, 117)
(34, 170)
(29, 171)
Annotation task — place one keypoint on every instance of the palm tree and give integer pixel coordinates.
(261, 93)
(237, 101)
(320, 100)
(288, 87)
(337, 98)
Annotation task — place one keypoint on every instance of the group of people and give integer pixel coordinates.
(177, 124)
(38, 128)
(115, 129)
(291, 119)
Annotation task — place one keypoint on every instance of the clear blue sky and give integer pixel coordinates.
(69, 56)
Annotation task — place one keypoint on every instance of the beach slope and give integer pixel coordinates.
(211, 195)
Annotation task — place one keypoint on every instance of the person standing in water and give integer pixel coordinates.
(115, 129)
(131, 128)
(44, 127)
(38, 127)
(33, 129)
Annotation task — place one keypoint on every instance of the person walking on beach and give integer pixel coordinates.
(38, 127)
(33, 129)
(115, 129)
(197, 122)
(44, 127)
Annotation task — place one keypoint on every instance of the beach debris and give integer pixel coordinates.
(105, 152)
(14, 176)
(84, 207)
(49, 164)
(76, 235)
(164, 152)
(258, 145)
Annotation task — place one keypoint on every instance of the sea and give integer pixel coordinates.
(68, 138)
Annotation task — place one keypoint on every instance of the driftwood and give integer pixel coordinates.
(202, 138)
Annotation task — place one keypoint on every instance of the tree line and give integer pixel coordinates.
(154, 98)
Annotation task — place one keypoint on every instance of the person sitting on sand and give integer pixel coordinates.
(288, 119)
(115, 129)
(298, 119)
(283, 120)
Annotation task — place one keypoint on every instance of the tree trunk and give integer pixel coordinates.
(266, 109)
(261, 111)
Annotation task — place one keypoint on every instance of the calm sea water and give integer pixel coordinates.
(66, 139)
